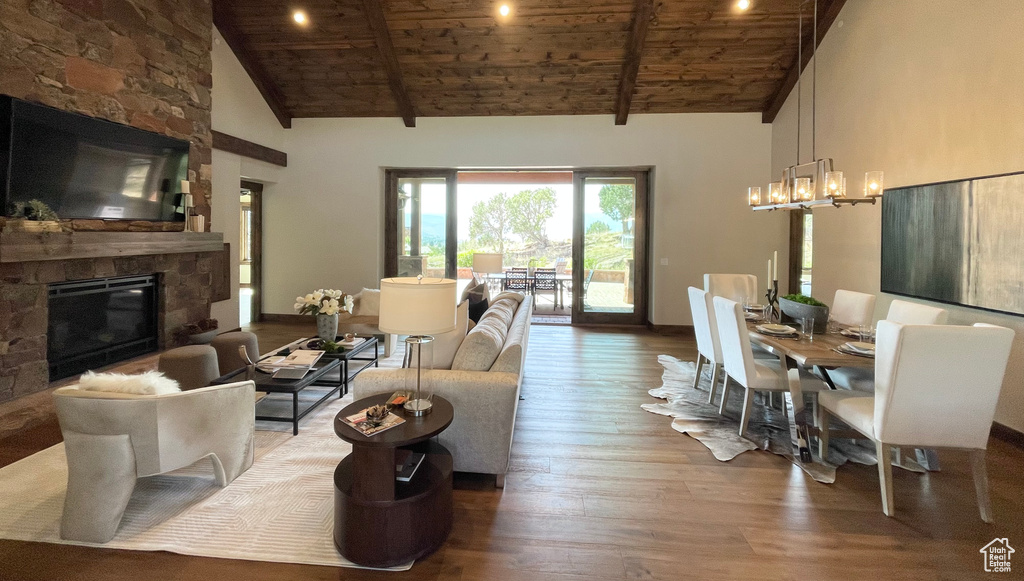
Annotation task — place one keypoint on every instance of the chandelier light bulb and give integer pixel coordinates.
(300, 17)
(743, 4)
(504, 10)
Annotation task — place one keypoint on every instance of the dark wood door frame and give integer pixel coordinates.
(256, 267)
(392, 227)
(641, 244)
(796, 249)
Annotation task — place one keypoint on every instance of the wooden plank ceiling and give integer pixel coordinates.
(434, 58)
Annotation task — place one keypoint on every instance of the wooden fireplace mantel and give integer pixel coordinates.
(43, 246)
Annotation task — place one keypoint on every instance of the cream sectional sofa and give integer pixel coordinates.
(485, 400)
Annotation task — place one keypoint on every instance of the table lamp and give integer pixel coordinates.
(487, 263)
(417, 307)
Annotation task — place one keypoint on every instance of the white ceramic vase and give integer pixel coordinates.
(327, 327)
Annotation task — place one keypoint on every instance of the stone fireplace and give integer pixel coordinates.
(187, 267)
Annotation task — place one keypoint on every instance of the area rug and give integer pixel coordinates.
(768, 428)
(280, 510)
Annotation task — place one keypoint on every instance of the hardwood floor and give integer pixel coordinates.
(600, 489)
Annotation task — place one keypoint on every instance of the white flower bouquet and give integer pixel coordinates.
(323, 302)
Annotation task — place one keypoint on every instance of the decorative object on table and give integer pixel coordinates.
(324, 304)
(381, 420)
(797, 307)
(813, 183)
(418, 307)
(198, 333)
(35, 216)
(186, 204)
(375, 415)
(349, 337)
(399, 398)
(772, 294)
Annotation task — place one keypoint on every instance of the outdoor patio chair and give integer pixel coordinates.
(545, 282)
(516, 279)
(586, 286)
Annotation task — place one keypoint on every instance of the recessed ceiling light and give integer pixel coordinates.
(300, 16)
(743, 4)
(504, 10)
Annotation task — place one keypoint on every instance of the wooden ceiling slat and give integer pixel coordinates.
(458, 57)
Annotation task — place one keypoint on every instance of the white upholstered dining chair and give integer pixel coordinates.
(112, 439)
(851, 308)
(740, 365)
(735, 287)
(709, 349)
(904, 312)
(936, 386)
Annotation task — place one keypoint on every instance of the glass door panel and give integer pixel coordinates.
(420, 219)
(611, 248)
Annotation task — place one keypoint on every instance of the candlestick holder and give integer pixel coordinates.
(773, 302)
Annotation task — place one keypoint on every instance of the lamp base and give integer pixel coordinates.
(418, 407)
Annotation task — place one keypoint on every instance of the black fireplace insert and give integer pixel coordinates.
(97, 322)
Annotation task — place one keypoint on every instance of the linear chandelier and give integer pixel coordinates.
(817, 182)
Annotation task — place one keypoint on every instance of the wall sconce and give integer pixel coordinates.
(873, 184)
(754, 196)
(835, 184)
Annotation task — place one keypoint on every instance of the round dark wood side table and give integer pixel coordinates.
(378, 521)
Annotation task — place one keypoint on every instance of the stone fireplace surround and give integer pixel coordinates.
(186, 266)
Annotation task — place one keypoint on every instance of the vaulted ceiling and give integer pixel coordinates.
(434, 58)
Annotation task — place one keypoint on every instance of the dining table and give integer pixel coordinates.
(815, 352)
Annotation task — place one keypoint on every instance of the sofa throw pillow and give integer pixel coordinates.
(481, 346)
(446, 345)
(516, 296)
(148, 383)
(478, 296)
(367, 302)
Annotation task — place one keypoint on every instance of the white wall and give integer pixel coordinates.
(238, 110)
(328, 231)
(925, 90)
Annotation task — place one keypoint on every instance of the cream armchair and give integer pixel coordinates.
(936, 386)
(111, 439)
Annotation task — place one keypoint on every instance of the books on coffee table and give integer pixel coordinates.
(358, 422)
(406, 464)
(294, 366)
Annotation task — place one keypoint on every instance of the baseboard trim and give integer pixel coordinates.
(678, 330)
(1008, 435)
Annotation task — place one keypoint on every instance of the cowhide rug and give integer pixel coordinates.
(768, 428)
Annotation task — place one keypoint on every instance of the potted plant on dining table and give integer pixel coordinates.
(324, 304)
(798, 306)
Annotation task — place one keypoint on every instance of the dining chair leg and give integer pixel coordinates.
(981, 484)
(715, 374)
(700, 369)
(748, 406)
(822, 420)
(884, 453)
(725, 395)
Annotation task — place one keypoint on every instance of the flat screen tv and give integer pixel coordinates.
(959, 242)
(88, 168)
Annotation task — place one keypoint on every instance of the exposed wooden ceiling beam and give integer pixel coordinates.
(643, 11)
(375, 15)
(239, 146)
(259, 76)
(827, 15)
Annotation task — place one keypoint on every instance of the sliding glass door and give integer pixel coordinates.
(610, 247)
(579, 237)
(420, 223)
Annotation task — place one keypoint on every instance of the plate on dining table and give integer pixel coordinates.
(777, 330)
(858, 348)
(752, 316)
(757, 308)
(853, 333)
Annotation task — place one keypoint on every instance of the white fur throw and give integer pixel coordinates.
(148, 383)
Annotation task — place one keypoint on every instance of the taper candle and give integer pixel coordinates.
(776, 271)
(186, 188)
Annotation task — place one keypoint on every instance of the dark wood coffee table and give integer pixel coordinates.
(378, 521)
(266, 383)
